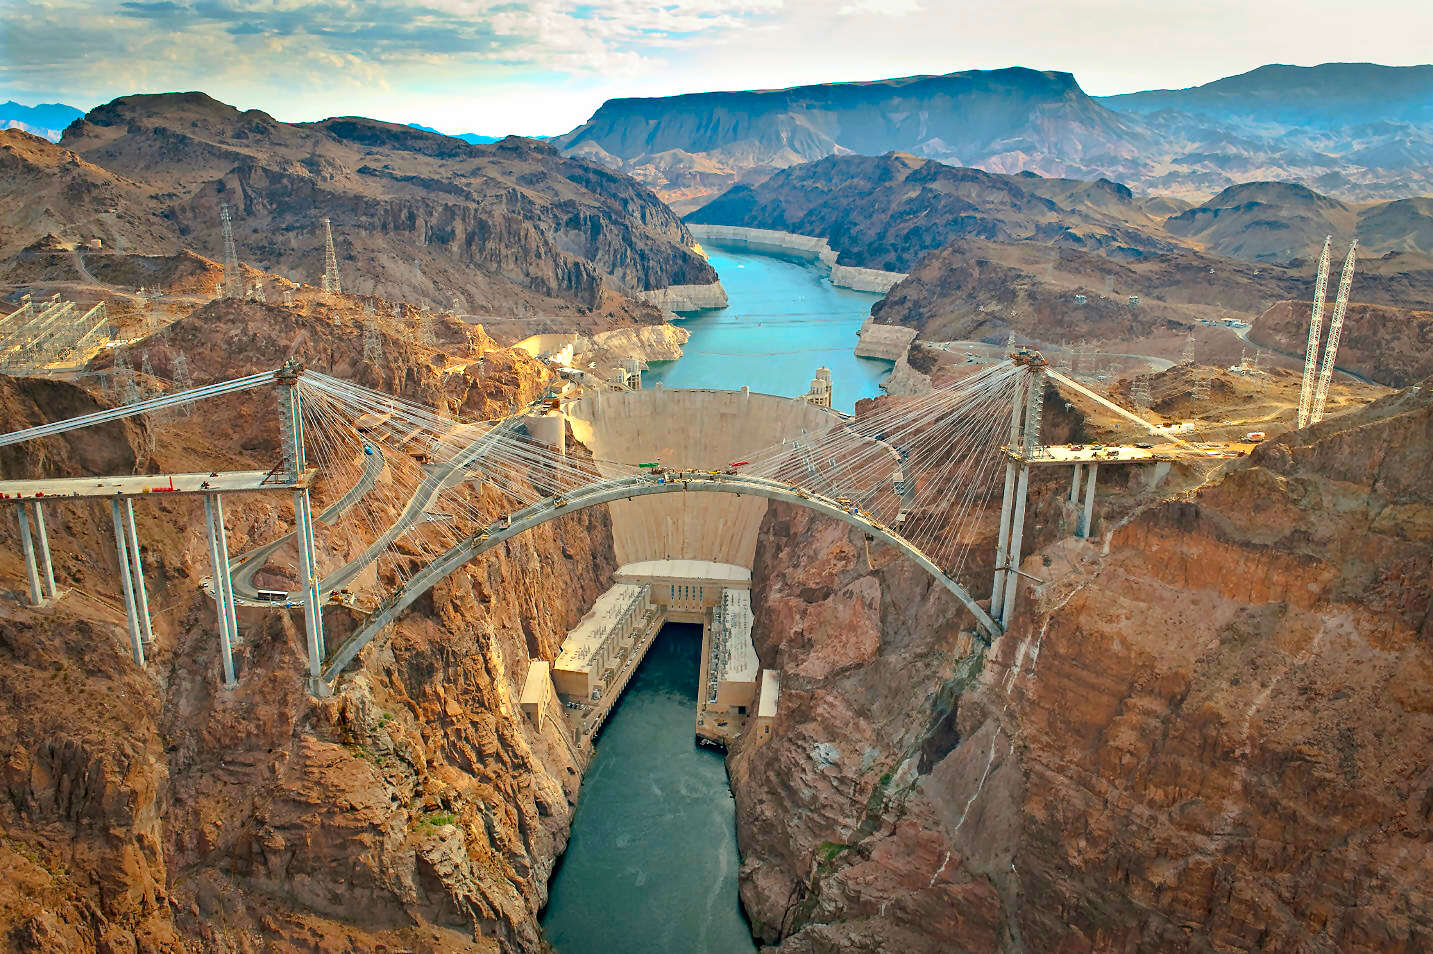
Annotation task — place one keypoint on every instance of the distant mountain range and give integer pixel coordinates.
(472, 138)
(47, 119)
(1357, 131)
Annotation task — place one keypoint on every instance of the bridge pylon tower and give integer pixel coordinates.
(1024, 443)
(291, 435)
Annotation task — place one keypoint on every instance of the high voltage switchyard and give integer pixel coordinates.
(37, 337)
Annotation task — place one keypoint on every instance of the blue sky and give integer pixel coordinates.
(543, 66)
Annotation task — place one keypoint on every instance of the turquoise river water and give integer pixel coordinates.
(652, 864)
(784, 320)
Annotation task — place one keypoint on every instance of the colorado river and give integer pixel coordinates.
(651, 867)
(785, 319)
(652, 863)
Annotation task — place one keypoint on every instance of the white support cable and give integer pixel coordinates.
(1112, 406)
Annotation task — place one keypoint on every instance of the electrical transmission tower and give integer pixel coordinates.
(233, 286)
(372, 343)
(1316, 321)
(1140, 394)
(1345, 283)
(330, 261)
(1186, 355)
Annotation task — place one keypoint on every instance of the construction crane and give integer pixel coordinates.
(1316, 321)
(1345, 282)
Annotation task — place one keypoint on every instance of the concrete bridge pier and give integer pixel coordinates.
(1024, 423)
(1002, 540)
(291, 434)
(121, 534)
(313, 608)
(1075, 485)
(223, 584)
(42, 587)
(42, 538)
(1087, 515)
(141, 594)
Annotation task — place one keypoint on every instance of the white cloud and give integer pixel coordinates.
(539, 66)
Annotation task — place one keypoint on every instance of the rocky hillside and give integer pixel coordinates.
(887, 211)
(1206, 730)
(1392, 346)
(153, 811)
(1003, 120)
(1366, 145)
(511, 227)
(990, 253)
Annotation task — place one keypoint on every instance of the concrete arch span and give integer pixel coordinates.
(627, 488)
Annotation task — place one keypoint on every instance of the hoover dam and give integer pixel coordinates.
(652, 868)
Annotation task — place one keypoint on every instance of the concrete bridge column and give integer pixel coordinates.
(223, 595)
(42, 539)
(1017, 532)
(136, 643)
(1087, 516)
(1034, 390)
(141, 595)
(1002, 541)
(27, 547)
(308, 579)
(1075, 485)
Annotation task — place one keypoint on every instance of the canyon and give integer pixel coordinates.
(1203, 729)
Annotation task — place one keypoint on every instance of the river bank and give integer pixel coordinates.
(785, 319)
(807, 247)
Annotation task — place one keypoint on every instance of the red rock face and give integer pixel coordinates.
(1385, 344)
(1207, 731)
(153, 811)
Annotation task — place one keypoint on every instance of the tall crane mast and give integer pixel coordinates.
(1345, 282)
(1316, 321)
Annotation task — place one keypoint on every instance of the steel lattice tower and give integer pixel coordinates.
(233, 286)
(330, 261)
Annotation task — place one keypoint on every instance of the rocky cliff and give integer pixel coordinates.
(154, 811)
(510, 227)
(1003, 119)
(1392, 346)
(887, 211)
(1206, 730)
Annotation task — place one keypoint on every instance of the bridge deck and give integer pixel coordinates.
(229, 481)
(1125, 454)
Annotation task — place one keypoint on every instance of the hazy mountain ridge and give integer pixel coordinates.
(1258, 126)
(473, 139)
(886, 211)
(47, 119)
(416, 216)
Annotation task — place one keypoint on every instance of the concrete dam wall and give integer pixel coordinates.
(689, 428)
